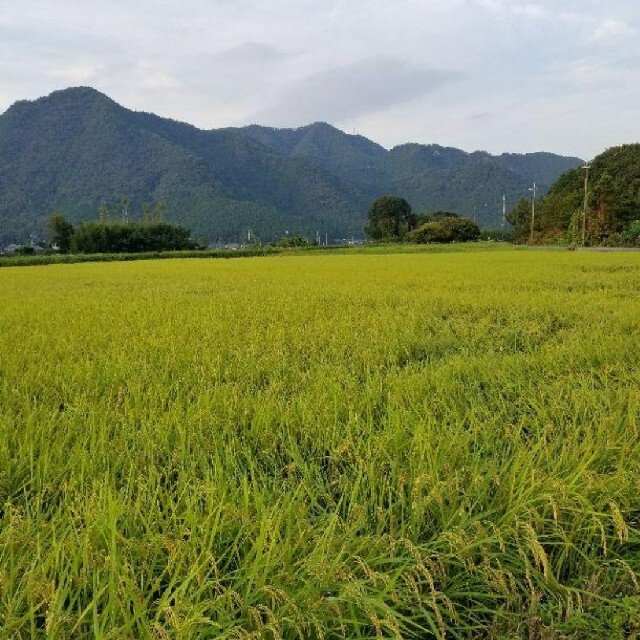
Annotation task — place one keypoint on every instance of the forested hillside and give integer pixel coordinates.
(430, 177)
(612, 213)
(77, 150)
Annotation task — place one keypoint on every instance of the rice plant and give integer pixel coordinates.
(359, 445)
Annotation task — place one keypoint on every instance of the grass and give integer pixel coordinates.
(74, 258)
(419, 445)
(243, 252)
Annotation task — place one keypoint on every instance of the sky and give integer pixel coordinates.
(496, 75)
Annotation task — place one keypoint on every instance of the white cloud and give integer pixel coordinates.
(345, 92)
(379, 66)
(530, 10)
(611, 31)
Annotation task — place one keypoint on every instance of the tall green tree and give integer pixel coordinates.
(61, 232)
(520, 219)
(390, 218)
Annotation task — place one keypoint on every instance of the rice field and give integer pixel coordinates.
(322, 446)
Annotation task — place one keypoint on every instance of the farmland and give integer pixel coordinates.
(360, 445)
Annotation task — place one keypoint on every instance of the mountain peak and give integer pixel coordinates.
(73, 98)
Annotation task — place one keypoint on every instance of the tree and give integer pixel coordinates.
(61, 232)
(390, 219)
(130, 237)
(433, 216)
(520, 219)
(448, 229)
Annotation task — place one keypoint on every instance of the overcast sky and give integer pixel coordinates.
(500, 75)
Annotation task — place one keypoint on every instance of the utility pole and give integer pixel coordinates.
(504, 214)
(533, 208)
(586, 168)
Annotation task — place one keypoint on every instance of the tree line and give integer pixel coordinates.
(391, 219)
(121, 236)
(598, 204)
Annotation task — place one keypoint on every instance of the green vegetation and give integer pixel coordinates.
(390, 219)
(23, 259)
(290, 242)
(130, 237)
(77, 150)
(447, 228)
(61, 232)
(613, 204)
(428, 176)
(443, 441)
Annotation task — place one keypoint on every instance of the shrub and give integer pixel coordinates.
(449, 229)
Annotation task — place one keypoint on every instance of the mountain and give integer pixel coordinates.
(613, 203)
(76, 149)
(354, 159)
(431, 177)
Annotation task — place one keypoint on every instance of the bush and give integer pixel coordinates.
(294, 241)
(449, 229)
(632, 234)
(130, 237)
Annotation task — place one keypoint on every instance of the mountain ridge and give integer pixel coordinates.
(76, 148)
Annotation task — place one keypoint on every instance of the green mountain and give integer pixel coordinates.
(76, 149)
(613, 203)
(431, 177)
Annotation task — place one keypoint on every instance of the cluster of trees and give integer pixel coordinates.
(292, 242)
(449, 228)
(118, 236)
(612, 212)
(390, 219)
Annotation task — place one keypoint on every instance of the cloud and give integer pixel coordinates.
(382, 67)
(530, 10)
(612, 31)
(346, 92)
(506, 7)
(250, 54)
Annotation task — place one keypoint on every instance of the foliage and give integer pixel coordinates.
(433, 216)
(130, 237)
(389, 219)
(61, 232)
(294, 241)
(520, 220)
(613, 202)
(337, 446)
(56, 258)
(25, 250)
(446, 229)
(633, 233)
